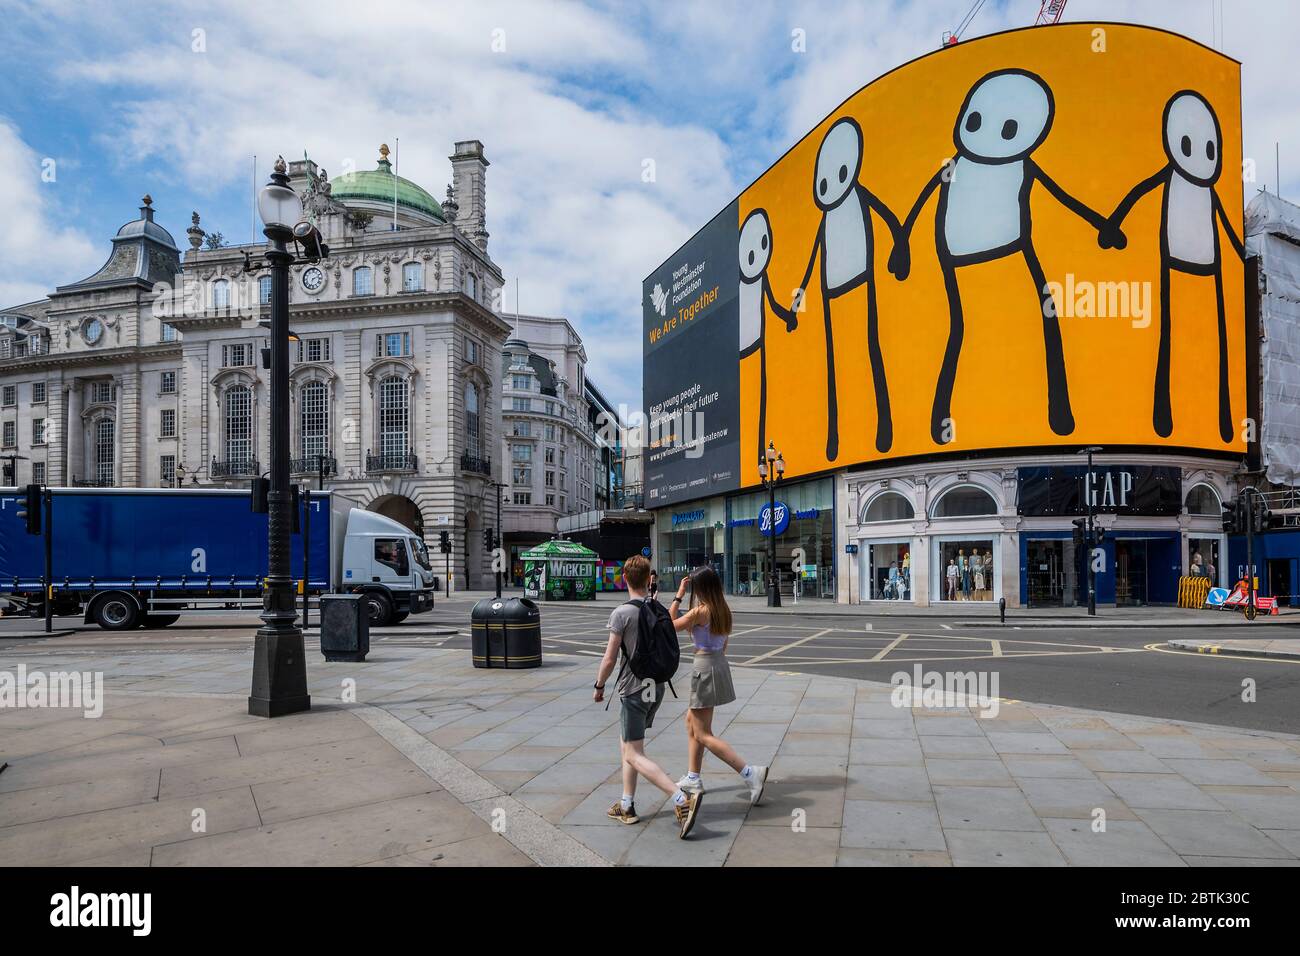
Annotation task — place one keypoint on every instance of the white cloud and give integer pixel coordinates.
(35, 252)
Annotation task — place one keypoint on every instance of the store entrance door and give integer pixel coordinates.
(1046, 574)
(1130, 573)
(1279, 580)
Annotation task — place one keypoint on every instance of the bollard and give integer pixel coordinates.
(1002, 610)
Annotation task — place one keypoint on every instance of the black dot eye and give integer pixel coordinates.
(1009, 129)
(973, 122)
(844, 173)
(751, 257)
(1186, 144)
(1209, 150)
(763, 242)
(822, 187)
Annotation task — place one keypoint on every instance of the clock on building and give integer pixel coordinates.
(313, 279)
(92, 330)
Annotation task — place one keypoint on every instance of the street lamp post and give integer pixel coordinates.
(1087, 496)
(771, 467)
(279, 661)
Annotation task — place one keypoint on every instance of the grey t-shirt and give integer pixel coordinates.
(625, 621)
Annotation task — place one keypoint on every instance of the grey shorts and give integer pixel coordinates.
(635, 714)
(711, 680)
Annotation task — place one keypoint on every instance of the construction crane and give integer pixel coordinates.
(1049, 12)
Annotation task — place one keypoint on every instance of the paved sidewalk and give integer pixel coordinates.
(1286, 647)
(438, 762)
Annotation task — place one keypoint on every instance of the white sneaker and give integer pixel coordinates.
(757, 781)
(687, 785)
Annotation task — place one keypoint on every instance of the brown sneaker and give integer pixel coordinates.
(616, 812)
(686, 813)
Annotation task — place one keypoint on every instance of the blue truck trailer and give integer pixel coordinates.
(132, 557)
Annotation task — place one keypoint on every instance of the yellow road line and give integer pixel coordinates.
(889, 647)
(786, 647)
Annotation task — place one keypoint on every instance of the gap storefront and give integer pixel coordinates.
(804, 519)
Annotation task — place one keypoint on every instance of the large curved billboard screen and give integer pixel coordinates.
(1033, 239)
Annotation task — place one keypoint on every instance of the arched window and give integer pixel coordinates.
(412, 277)
(221, 294)
(890, 506)
(966, 501)
(105, 445)
(314, 420)
(394, 420)
(1202, 500)
(363, 281)
(239, 426)
(473, 437)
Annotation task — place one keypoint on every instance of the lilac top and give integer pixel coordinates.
(706, 640)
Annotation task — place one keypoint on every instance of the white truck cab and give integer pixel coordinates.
(388, 563)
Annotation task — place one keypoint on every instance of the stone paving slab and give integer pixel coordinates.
(1285, 647)
(439, 763)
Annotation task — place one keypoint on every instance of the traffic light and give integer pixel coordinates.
(1098, 536)
(1230, 519)
(1261, 515)
(258, 490)
(488, 540)
(1079, 525)
(444, 542)
(30, 510)
(295, 510)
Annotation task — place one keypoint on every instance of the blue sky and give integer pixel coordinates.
(127, 98)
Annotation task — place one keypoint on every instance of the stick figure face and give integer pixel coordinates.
(1193, 141)
(1005, 116)
(838, 161)
(755, 245)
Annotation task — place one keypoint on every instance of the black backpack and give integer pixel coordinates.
(657, 654)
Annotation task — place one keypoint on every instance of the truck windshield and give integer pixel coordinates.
(421, 553)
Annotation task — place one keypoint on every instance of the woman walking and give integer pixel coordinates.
(709, 623)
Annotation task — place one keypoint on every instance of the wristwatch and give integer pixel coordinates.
(598, 686)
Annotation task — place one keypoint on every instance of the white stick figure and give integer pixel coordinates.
(983, 214)
(845, 241)
(1189, 238)
(755, 298)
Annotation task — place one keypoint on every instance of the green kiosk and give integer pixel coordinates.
(560, 570)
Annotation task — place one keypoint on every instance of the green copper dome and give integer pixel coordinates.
(376, 185)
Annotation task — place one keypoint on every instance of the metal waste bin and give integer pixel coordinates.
(344, 627)
(506, 633)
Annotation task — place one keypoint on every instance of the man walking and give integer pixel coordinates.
(638, 705)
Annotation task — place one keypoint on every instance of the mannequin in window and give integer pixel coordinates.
(963, 567)
(952, 579)
(977, 571)
(907, 575)
(893, 587)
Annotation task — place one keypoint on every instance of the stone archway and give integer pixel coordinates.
(401, 509)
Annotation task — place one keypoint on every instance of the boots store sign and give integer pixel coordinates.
(1114, 489)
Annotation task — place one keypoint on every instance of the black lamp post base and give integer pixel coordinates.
(279, 674)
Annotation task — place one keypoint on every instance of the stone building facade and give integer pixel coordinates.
(150, 371)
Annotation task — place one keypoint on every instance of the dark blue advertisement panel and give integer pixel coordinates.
(691, 371)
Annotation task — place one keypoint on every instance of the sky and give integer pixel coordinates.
(101, 103)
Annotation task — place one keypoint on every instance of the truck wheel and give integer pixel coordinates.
(380, 609)
(116, 612)
(160, 620)
(399, 616)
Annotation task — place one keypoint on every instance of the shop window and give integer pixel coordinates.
(890, 506)
(966, 570)
(966, 501)
(1202, 500)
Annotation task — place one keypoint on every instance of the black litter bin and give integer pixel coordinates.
(344, 627)
(506, 633)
